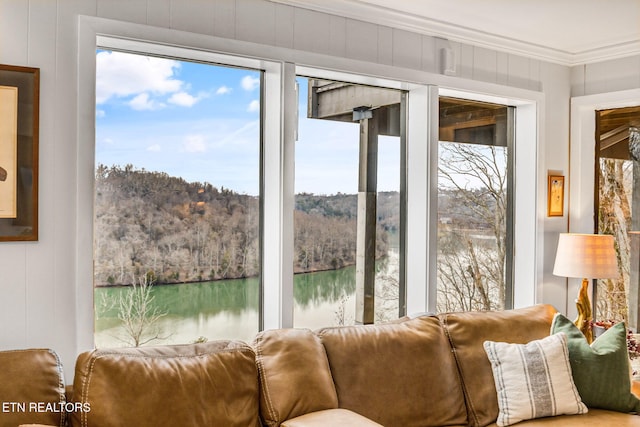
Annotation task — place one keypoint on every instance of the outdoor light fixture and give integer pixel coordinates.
(585, 256)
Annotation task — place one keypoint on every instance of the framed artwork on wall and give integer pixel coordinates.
(8, 150)
(19, 130)
(555, 196)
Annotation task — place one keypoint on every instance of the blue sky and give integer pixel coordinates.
(201, 122)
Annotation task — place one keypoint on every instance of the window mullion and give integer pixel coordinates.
(421, 199)
(278, 201)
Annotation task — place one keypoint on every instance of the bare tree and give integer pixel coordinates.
(388, 289)
(341, 312)
(138, 314)
(614, 217)
(472, 248)
(465, 282)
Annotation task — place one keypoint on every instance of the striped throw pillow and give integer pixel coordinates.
(533, 380)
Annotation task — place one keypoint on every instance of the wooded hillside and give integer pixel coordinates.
(149, 223)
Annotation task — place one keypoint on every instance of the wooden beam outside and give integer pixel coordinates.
(366, 232)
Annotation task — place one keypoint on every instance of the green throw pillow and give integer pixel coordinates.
(600, 370)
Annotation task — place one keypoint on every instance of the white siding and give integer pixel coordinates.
(607, 76)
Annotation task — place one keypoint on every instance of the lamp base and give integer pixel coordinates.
(584, 319)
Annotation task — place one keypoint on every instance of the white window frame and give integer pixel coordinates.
(279, 111)
(422, 238)
(275, 277)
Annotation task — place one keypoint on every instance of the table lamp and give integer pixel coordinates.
(585, 256)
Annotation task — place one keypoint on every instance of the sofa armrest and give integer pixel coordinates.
(330, 417)
(31, 376)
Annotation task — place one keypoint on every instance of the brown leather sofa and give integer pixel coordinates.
(426, 371)
(32, 388)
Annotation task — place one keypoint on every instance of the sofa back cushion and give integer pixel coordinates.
(213, 383)
(400, 374)
(294, 375)
(468, 331)
(31, 388)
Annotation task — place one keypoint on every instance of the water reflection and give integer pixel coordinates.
(228, 309)
(313, 289)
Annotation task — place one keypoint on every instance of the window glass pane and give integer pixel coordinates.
(387, 294)
(617, 206)
(615, 218)
(176, 226)
(473, 208)
(327, 204)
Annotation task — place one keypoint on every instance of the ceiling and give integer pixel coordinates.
(568, 32)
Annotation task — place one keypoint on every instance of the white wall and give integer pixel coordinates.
(555, 126)
(39, 281)
(607, 76)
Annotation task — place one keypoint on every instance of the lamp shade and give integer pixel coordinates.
(590, 256)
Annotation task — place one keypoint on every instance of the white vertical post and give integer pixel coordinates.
(526, 242)
(278, 199)
(422, 175)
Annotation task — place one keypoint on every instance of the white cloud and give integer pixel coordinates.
(223, 90)
(250, 83)
(254, 106)
(122, 74)
(154, 148)
(194, 144)
(183, 99)
(143, 102)
(100, 113)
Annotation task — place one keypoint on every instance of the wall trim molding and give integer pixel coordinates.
(432, 27)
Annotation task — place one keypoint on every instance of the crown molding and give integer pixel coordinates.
(355, 9)
(616, 51)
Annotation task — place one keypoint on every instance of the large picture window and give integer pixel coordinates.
(177, 200)
(224, 200)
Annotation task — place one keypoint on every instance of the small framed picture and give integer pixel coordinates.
(555, 196)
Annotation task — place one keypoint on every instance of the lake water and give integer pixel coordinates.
(228, 309)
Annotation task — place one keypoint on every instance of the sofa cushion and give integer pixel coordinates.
(294, 375)
(467, 333)
(595, 417)
(27, 378)
(214, 383)
(400, 374)
(533, 380)
(600, 370)
(331, 417)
